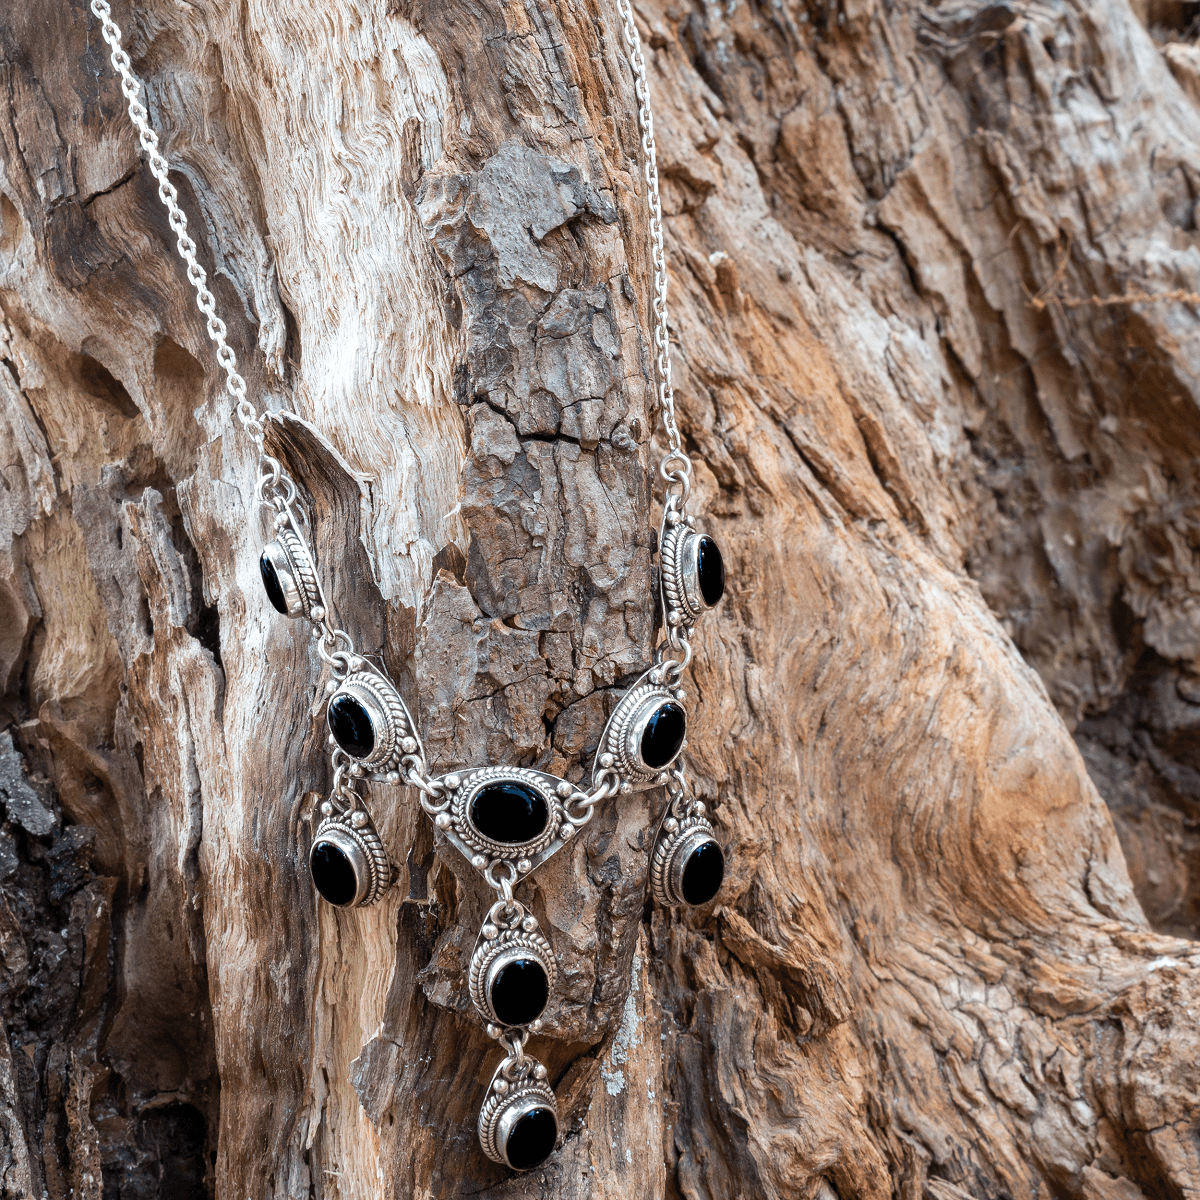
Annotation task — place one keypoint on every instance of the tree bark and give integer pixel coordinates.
(938, 361)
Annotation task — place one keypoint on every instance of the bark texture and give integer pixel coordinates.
(938, 360)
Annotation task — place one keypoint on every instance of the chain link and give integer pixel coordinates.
(676, 467)
(275, 488)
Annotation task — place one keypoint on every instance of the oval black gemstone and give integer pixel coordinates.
(710, 571)
(532, 1139)
(509, 812)
(332, 873)
(663, 735)
(703, 873)
(350, 724)
(520, 991)
(271, 582)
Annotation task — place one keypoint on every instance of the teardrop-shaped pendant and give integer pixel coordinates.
(688, 864)
(289, 577)
(347, 861)
(369, 721)
(646, 733)
(518, 1124)
(512, 976)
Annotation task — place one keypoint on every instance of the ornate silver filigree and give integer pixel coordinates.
(294, 569)
(620, 744)
(354, 836)
(506, 1104)
(391, 722)
(507, 946)
(677, 840)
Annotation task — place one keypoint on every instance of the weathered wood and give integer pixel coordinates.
(959, 511)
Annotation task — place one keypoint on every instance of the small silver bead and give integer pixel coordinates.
(451, 781)
(540, 1072)
(501, 1086)
(358, 818)
(679, 694)
(326, 809)
(331, 740)
(673, 518)
(685, 744)
(524, 866)
(281, 520)
(674, 617)
(490, 931)
(670, 824)
(698, 808)
(357, 663)
(442, 820)
(530, 923)
(356, 770)
(535, 1025)
(607, 760)
(393, 777)
(318, 633)
(331, 686)
(626, 788)
(408, 745)
(479, 862)
(566, 831)
(493, 1031)
(565, 789)
(318, 613)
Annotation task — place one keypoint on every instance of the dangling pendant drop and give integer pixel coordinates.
(646, 733)
(513, 971)
(688, 864)
(518, 1124)
(347, 861)
(289, 577)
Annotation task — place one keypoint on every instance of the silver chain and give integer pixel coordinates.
(275, 487)
(676, 467)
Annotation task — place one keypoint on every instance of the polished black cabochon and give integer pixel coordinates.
(710, 571)
(271, 583)
(519, 992)
(333, 874)
(532, 1139)
(703, 873)
(510, 812)
(663, 736)
(350, 724)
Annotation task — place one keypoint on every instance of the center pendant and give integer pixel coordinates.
(506, 814)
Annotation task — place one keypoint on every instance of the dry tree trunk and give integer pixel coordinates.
(961, 515)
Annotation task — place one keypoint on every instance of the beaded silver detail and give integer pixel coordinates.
(508, 945)
(353, 834)
(528, 1094)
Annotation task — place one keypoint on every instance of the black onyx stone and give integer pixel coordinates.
(332, 873)
(509, 812)
(532, 1139)
(703, 873)
(663, 735)
(350, 724)
(520, 991)
(710, 571)
(271, 583)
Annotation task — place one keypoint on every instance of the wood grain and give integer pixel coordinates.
(959, 514)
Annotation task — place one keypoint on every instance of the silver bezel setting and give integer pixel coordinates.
(472, 842)
(502, 1110)
(387, 713)
(491, 956)
(362, 846)
(670, 856)
(622, 736)
(295, 572)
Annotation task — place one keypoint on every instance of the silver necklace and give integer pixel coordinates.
(506, 821)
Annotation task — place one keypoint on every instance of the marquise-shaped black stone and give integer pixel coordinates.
(350, 724)
(710, 571)
(703, 873)
(520, 991)
(663, 735)
(333, 874)
(509, 812)
(532, 1139)
(271, 583)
